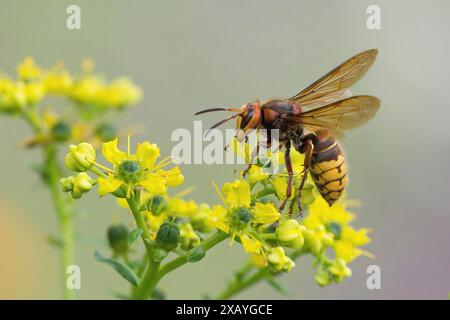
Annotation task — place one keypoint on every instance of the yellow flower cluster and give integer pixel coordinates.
(91, 94)
(33, 84)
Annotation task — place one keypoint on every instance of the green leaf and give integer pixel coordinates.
(196, 254)
(134, 235)
(277, 286)
(122, 269)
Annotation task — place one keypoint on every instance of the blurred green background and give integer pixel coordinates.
(187, 55)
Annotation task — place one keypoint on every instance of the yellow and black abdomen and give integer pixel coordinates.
(328, 169)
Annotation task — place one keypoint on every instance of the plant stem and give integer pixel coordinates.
(64, 216)
(151, 278)
(207, 244)
(239, 284)
(60, 202)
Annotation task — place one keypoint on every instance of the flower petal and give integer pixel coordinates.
(265, 213)
(154, 184)
(112, 153)
(237, 193)
(173, 177)
(147, 154)
(108, 185)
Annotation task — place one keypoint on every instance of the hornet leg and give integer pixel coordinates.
(307, 148)
(287, 160)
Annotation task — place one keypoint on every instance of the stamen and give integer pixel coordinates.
(129, 147)
(100, 166)
(222, 198)
(184, 192)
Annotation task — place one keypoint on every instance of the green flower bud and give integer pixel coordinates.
(81, 157)
(279, 261)
(106, 132)
(244, 215)
(289, 234)
(61, 131)
(130, 170)
(77, 185)
(118, 238)
(322, 277)
(156, 205)
(168, 236)
(339, 270)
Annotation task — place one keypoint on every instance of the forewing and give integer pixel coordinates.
(343, 76)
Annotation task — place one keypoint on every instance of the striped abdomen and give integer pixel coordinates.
(328, 169)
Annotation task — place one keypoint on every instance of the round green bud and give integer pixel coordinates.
(61, 131)
(168, 236)
(130, 170)
(157, 205)
(80, 157)
(118, 238)
(289, 234)
(244, 215)
(106, 132)
(77, 185)
(335, 228)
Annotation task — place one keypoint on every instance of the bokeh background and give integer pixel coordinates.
(187, 55)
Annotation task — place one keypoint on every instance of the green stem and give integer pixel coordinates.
(64, 215)
(239, 284)
(151, 278)
(207, 244)
(60, 202)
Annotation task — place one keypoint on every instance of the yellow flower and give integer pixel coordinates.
(28, 70)
(87, 89)
(265, 213)
(12, 95)
(120, 93)
(58, 81)
(217, 218)
(237, 193)
(346, 248)
(251, 245)
(138, 169)
(329, 226)
(181, 208)
(34, 92)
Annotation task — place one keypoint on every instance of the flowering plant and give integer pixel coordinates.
(175, 231)
(172, 231)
